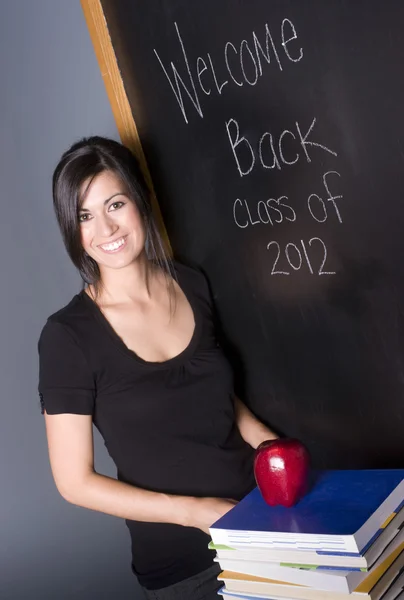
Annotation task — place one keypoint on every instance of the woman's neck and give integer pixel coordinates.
(132, 283)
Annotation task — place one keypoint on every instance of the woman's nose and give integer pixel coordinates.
(106, 226)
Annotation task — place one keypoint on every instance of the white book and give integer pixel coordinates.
(394, 592)
(373, 587)
(322, 579)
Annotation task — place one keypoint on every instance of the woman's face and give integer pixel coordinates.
(112, 230)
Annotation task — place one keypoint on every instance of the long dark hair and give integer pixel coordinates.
(84, 160)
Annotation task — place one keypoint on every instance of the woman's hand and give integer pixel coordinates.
(203, 512)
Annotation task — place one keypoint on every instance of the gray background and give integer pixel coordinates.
(51, 94)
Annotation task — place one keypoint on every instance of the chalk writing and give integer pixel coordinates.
(271, 155)
(242, 64)
(317, 206)
(273, 210)
(296, 265)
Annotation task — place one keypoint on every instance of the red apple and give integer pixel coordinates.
(281, 469)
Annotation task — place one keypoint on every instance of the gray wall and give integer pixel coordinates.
(51, 94)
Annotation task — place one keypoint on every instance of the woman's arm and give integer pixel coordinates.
(71, 453)
(252, 430)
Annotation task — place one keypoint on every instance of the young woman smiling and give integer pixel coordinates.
(135, 353)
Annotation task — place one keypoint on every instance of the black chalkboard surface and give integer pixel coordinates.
(274, 134)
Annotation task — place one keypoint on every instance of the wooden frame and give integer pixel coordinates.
(98, 29)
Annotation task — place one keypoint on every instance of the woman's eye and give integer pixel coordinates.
(84, 217)
(116, 205)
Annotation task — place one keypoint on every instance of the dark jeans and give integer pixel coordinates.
(202, 586)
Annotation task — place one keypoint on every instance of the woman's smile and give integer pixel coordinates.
(115, 246)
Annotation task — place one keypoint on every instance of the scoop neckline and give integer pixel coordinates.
(120, 344)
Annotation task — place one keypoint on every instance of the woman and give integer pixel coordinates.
(135, 353)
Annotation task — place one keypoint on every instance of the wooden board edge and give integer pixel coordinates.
(101, 40)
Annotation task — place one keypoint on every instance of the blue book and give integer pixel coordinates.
(341, 513)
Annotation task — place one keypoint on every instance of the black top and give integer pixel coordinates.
(168, 426)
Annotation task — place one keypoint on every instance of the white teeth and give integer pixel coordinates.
(113, 246)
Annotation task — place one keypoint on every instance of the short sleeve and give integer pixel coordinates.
(66, 383)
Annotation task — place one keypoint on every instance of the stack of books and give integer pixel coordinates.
(344, 540)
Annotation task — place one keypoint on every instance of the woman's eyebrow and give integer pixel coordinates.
(82, 209)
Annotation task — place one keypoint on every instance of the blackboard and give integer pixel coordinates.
(274, 135)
